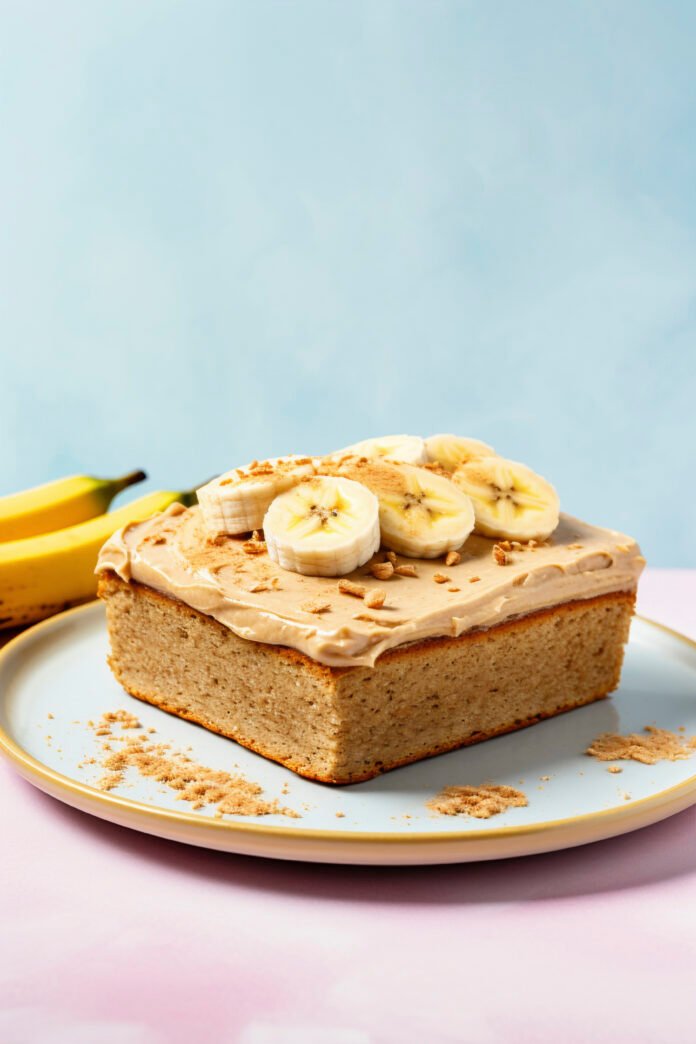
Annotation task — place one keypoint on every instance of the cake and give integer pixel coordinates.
(345, 675)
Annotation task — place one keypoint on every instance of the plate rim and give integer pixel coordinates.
(37, 772)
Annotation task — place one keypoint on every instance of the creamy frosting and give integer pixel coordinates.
(255, 598)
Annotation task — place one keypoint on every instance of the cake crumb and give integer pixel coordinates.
(375, 599)
(197, 784)
(316, 607)
(656, 745)
(382, 570)
(406, 570)
(474, 579)
(454, 590)
(480, 802)
(440, 578)
(340, 815)
(614, 768)
(544, 779)
(452, 558)
(120, 717)
(49, 715)
(349, 588)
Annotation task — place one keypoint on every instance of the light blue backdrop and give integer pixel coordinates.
(237, 229)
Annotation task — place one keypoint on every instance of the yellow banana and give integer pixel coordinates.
(41, 575)
(58, 504)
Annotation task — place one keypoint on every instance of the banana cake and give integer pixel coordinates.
(349, 614)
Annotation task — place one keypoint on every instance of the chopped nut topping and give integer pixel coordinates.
(406, 570)
(454, 589)
(259, 586)
(254, 547)
(474, 579)
(519, 580)
(619, 547)
(219, 539)
(505, 544)
(316, 607)
(440, 578)
(499, 555)
(349, 588)
(375, 599)
(391, 557)
(453, 558)
(531, 543)
(382, 570)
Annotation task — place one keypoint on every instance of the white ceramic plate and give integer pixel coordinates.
(59, 668)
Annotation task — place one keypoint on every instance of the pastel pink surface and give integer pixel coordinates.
(113, 937)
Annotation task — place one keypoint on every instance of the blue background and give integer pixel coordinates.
(239, 229)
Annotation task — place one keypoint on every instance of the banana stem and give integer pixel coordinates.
(128, 480)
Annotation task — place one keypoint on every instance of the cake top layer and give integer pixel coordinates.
(340, 622)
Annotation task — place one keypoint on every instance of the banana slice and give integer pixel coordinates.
(325, 526)
(410, 449)
(509, 499)
(237, 501)
(449, 451)
(421, 514)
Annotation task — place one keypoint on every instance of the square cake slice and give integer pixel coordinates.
(299, 669)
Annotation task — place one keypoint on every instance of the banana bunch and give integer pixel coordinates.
(50, 538)
(326, 516)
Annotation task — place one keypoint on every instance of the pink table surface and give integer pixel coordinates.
(113, 937)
